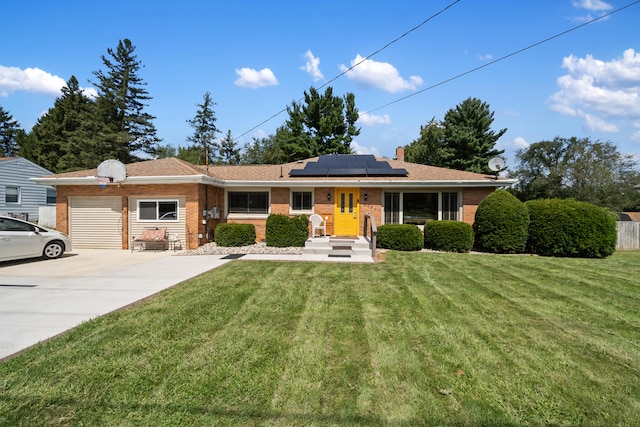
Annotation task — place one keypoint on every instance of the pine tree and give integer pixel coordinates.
(324, 124)
(229, 151)
(63, 138)
(128, 130)
(469, 140)
(205, 130)
(9, 130)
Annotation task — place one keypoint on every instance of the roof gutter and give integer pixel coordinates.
(134, 180)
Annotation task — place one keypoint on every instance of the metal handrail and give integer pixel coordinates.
(370, 225)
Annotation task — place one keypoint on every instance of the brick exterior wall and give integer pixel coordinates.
(471, 198)
(195, 195)
(200, 197)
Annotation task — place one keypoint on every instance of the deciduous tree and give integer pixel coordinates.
(594, 172)
(428, 149)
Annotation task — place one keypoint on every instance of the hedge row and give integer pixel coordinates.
(227, 234)
(400, 237)
(449, 236)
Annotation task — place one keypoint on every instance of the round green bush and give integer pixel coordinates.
(501, 224)
(450, 236)
(567, 227)
(400, 237)
(284, 231)
(235, 234)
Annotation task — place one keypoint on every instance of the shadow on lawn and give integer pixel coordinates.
(75, 410)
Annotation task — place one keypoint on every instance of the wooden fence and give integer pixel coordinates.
(628, 235)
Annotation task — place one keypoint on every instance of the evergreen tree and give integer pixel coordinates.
(204, 129)
(324, 124)
(428, 149)
(229, 151)
(128, 130)
(165, 151)
(193, 154)
(63, 138)
(262, 151)
(469, 140)
(9, 130)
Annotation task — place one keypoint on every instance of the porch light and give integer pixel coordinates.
(366, 197)
(328, 196)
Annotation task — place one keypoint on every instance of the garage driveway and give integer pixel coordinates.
(43, 298)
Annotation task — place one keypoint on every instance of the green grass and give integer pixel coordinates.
(421, 339)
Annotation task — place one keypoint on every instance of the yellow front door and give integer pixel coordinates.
(346, 212)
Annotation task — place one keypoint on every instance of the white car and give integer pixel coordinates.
(22, 239)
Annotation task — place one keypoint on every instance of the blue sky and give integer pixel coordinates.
(256, 57)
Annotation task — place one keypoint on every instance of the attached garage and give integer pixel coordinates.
(96, 222)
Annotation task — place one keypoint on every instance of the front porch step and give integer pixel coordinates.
(338, 247)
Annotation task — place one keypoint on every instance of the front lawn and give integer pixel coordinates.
(421, 339)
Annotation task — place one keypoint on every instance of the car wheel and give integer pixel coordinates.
(53, 250)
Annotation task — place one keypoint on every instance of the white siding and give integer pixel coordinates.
(16, 172)
(95, 222)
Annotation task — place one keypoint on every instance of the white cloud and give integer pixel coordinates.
(13, 79)
(360, 149)
(520, 143)
(596, 124)
(259, 134)
(35, 80)
(248, 77)
(381, 75)
(486, 57)
(312, 66)
(600, 92)
(372, 119)
(595, 5)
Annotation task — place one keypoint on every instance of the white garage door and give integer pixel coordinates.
(96, 222)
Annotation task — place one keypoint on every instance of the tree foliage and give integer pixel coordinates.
(67, 137)
(122, 97)
(205, 130)
(578, 168)
(9, 131)
(469, 140)
(262, 151)
(324, 124)
(428, 149)
(229, 151)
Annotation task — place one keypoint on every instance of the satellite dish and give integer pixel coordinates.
(113, 169)
(496, 164)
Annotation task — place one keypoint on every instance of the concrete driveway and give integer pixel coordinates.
(40, 299)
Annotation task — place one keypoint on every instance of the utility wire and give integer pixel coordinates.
(358, 63)
(504, 57)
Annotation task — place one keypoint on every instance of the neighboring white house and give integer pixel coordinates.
(19, 195)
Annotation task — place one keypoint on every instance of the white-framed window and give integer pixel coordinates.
(12, 194)
(248, 202)
(413, 207)
(158, 210)
(301, 202)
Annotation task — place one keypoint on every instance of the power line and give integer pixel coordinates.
(358, 63)
(502, 58)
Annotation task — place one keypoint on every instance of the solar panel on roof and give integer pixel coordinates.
(347, 165)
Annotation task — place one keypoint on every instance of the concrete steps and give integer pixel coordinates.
(338, 246)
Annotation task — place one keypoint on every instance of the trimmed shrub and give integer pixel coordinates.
(235, 234)
(284, 231)
(567, 227)
(501, 224)
(450, 236)
(400, 237)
